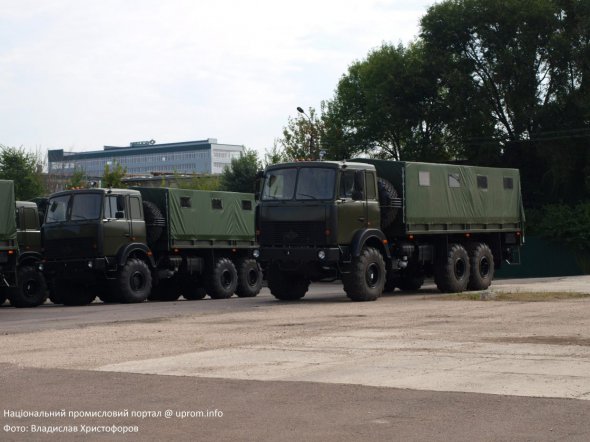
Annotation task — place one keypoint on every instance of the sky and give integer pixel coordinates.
(81, 74)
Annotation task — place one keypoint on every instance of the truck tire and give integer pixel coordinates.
(134, 283)
(249, 278)
(287, 286)
(166, 290)
(387, 195)
(223, 280)
(452, 274)
(481, 260)
(31, 290)
(154, 222)
(366, 280)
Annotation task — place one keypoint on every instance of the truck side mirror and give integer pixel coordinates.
(258, 184)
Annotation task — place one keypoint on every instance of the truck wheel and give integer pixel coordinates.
(411, 283)
(166, 290)
(134, 281)
(224, 280)
(287, 286)
(452, 275)
(31, 290)
(387, 195)
(481, 260)
(154, 222)
(366, 280)
(249, 278)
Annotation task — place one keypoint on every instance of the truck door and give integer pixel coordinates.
(116, 225)
(29, 235)
(351, 205)
(138, 229)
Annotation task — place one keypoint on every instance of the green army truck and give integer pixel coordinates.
(129, 245)
(20, 251)
(379, 225)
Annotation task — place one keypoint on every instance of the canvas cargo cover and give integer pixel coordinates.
(7, 213)
(447, 194)
(198, 215)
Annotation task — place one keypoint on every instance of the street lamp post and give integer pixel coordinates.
(311, 139)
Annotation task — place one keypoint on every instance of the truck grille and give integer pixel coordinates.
(292, 233)
(66, 248)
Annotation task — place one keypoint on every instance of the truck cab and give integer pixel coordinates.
(89, 238)
(313, 218)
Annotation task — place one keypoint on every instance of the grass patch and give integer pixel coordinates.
(513, 296)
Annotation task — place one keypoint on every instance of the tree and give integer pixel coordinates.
(198, 182)
(114, 177)
(389, 105)
(241, 175)
(24, 168)
(302, 137)
(523, 64)
(77, 179)
(276, 154)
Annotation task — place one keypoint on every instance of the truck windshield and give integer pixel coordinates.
(79, 207)
(305, 183)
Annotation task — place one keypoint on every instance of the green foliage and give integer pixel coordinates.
(113, 177)
(389, 105)
(199, 182)
(512, 69)
(302, 137)
(241, 175)
(276, 154)
(77, 180)
(568, 224)
(24, 168)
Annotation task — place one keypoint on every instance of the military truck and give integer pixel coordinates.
(128, 245)
(378, 225)
(20, 251)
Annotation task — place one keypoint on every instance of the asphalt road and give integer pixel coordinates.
(407, 367)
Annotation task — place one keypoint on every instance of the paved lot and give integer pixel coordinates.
(409, 366)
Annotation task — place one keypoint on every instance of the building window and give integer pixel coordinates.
(508, 183)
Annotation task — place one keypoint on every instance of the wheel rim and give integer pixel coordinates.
(484, 267)
(226, 279)
(137, 281)
(30, 288)
(460, 268)
(372, 275)
(252, 277)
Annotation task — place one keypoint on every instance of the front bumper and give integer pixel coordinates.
(300, 255)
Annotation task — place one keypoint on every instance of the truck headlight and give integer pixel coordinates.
(256, 253)
(322, 255)
(90, 264)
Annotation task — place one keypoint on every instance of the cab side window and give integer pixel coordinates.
(114, 204)
(346, 184)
